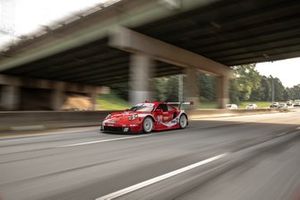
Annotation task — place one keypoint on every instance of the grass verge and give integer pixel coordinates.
(111, 102)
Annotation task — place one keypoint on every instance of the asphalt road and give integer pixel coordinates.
(247, 157)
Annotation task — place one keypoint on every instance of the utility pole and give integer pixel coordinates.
(180, 87)
(273, 90)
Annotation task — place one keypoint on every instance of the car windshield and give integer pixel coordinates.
(143, 107)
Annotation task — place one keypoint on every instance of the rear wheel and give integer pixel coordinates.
(183, 121)
(147, 125)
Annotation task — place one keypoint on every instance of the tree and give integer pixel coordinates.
(120, 89)
(279, 90)
(264, 91)
(294, 92)
(247, 80)
(247, 85)
(234, 93)
(166, 88)
(207, 87)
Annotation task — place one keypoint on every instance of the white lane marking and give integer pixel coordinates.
(101, 141)
(158, 178)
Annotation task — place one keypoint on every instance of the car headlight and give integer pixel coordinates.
(108, 116)
(133, 117)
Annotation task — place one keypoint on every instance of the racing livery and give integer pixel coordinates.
(147, 117)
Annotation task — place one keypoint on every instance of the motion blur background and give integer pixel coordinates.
(24, 24)
(65, 65)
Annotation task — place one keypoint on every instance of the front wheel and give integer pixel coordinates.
(183, 121)
(147, 125)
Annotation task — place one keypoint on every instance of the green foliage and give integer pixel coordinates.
(265, 90)
(279, 90)
(111, 102)
(121, 90)
(208, 105)
(234, 93)
(294, 92)
(246, 83)
(260, 104)
(207, 87)
(249, 85)
(166, 88)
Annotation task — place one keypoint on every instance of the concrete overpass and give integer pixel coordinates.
(94, 48)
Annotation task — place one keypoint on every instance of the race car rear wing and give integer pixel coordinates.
(180, 103)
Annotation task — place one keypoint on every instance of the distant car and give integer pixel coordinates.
(251, 106)
(231, 106)
(147, 117)
(297, 103)
(283, 106)
(274, 105)
(289, 103)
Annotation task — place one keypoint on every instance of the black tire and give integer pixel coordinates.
(183, 121)
(148, 125)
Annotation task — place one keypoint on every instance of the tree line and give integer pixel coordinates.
(247, 85)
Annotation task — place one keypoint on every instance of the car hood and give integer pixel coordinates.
(124, 114)
(121, 114)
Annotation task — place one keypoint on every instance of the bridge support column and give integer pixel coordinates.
(222, 91)
(10, 96)
(191, 91)
(58, 96)
(141, 73)
(93, 96)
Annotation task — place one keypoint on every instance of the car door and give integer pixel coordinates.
(173, 112)
(167, 113)
(164, 115)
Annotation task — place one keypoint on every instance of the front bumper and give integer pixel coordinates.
(121, 129)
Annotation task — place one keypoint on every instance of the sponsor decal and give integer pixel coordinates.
(173, 122)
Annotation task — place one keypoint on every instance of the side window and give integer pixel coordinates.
(163, 107)
(170, 108)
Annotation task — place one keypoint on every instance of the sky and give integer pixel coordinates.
(288, 71)
(27, 16)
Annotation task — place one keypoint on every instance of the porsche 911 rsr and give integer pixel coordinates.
(147, 117)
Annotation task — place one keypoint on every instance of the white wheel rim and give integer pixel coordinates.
(148, 125)
(183, 121)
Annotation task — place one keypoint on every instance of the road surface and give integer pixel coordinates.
(246, 157)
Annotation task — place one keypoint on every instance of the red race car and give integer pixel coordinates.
(147, 117)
